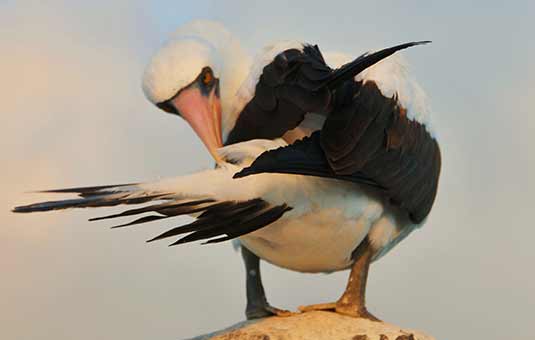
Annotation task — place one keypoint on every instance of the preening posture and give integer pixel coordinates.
(320, 166)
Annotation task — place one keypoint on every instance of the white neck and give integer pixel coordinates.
(234, 70)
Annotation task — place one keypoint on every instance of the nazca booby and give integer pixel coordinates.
(318, 169)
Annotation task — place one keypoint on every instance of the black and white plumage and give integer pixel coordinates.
(318, 161)
(221, 209)
(363, 132)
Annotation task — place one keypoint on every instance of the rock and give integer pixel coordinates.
(314, 325)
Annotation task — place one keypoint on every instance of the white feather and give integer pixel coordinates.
(162, 78)
(392, 77)
(179, 61)
(312, 122)
(244, 153)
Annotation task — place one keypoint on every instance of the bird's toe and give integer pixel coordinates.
(258, 312)
(329, 306)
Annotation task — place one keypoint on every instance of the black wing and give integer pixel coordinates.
(296, 82)
(367, 139)
(285, 92)
(303, 157)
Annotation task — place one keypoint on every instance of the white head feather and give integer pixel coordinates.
(175, 65)
(192, 47)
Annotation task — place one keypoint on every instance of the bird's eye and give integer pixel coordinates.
(207, 78)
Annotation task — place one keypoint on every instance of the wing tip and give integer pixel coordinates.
(240, 174)
(178, 242)
(82, 190)
(422, 42)
(19, 209)
(23, 209)
(248, 171)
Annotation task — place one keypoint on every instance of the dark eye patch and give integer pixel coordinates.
(168, 107)
(207, 77)
(206, 80)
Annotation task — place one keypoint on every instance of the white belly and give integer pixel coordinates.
(313, 239)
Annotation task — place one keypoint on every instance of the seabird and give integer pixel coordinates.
(319, 168)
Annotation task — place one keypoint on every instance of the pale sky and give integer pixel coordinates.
(74, 114)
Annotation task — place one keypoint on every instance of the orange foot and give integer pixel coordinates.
(337, 307)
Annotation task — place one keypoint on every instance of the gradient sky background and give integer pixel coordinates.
(73, 113)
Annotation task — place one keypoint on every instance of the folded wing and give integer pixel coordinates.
(370, 137)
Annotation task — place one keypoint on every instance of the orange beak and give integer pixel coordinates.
(203, 113)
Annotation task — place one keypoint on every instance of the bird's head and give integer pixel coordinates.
(183, 78)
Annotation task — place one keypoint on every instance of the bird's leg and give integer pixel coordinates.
(257, 305)
(352, 302)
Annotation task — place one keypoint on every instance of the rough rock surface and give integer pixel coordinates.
(316, 326)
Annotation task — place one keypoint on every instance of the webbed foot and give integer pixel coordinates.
(338, 307)
(257, 312)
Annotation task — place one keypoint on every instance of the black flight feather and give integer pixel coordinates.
(304, 157)
(350, 70)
